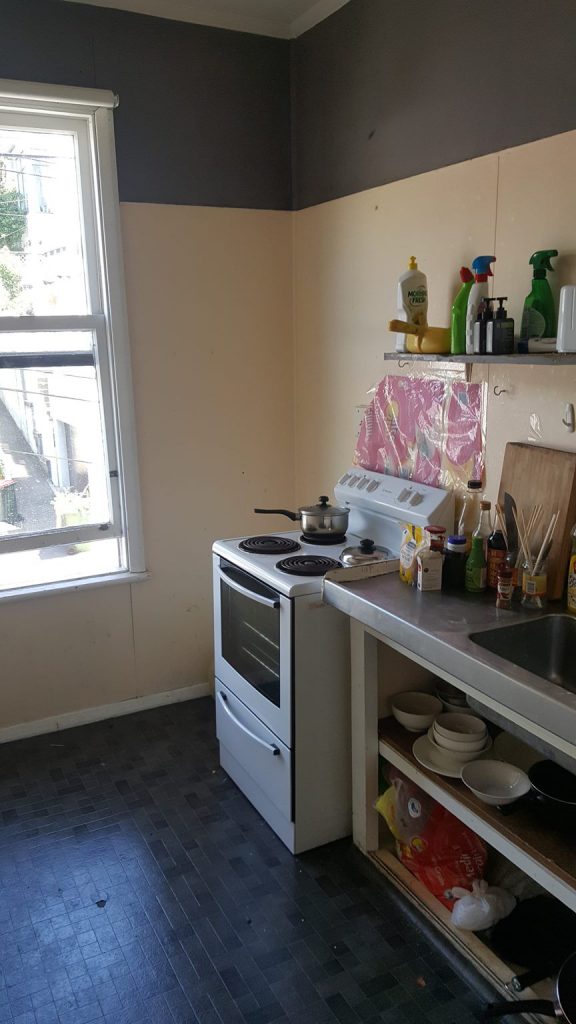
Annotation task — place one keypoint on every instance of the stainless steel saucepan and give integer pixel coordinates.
(321, 520)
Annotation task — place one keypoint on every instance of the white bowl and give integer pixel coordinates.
(463, 745)
(415, 711)
(495, 782)
(456, 726)
(460, 709)
(460, 756)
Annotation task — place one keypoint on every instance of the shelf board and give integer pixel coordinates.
(546, 854)
(530, 359)
(498, 972)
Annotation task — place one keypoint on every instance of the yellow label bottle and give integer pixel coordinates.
(571, 589)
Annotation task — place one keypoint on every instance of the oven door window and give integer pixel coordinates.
(251, 631)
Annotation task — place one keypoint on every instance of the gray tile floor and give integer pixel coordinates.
(138, 885)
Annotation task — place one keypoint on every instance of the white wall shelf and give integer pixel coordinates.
(531, 359)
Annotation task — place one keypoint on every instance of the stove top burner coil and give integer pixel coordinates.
(323, 538)
(268, 545)
(307, 565)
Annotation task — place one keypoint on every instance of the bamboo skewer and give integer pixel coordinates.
(548, 537)
(500, 522)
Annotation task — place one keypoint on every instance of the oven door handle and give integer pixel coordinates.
(270, 602)
(274, 750)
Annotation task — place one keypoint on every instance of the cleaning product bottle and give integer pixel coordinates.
(478, 291)
(483, 320)
(458, 321)
(500, 331)
(412, 300)
(571, 591)
(539, 315)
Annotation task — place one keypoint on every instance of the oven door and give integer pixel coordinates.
(253, 645)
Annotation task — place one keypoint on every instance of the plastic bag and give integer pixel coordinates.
(481, 908)
(431, 843)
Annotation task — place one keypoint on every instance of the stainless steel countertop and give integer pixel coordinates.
(437, 627)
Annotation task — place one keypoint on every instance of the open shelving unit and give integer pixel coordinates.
(545, 854)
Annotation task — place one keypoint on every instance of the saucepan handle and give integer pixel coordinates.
(543, 1006)
(294, 516)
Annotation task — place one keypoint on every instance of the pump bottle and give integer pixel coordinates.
(539, 315)
(478, 292)
(412, 300)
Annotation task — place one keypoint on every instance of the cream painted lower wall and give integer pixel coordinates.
(209, 301)
(348, 255)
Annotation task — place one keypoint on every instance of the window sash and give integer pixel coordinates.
(88, 113)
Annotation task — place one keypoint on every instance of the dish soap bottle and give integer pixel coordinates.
(571, 591)
(458, 320)
(412, 300)
(539, 315)
(478, 292)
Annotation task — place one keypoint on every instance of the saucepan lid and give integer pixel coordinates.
(365, 553)
(323, 508)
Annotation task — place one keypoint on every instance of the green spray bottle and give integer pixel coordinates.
(458, 321)
(539, 316)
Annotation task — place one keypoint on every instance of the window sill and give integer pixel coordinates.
(69, 586)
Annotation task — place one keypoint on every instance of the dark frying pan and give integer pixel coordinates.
(563, 1005)
(540, 934)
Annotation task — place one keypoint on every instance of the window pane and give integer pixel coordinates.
(60, 562)
(45, 341)
(42, 266)
(53, 470)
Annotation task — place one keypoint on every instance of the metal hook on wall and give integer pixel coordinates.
(499, 391)
(403, 362)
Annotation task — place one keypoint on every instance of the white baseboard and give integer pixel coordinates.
(70, 719)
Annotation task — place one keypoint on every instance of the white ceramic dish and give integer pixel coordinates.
(454, 726)
(460, 756)
(436, 760)
(514, 751)
(463, 746)
(495, 782)
(416, 711)
(460, 709)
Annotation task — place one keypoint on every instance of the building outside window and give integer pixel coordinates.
(69, 502)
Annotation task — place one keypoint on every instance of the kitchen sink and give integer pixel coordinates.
(544, 646)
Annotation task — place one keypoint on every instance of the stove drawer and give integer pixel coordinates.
(256, 749)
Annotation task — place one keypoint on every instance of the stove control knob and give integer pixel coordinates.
(344, 479)
(416, 498)
(404, 494)
(372, 486)
(363, 482)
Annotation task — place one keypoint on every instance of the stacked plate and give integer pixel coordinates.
(452, 699)
(451, 742)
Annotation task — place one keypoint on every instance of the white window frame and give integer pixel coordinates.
(89, 112)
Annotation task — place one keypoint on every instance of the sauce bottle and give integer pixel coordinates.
(484, 527)
(496, 556)
(476, 567)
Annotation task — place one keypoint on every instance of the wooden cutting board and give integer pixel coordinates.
(547, 476)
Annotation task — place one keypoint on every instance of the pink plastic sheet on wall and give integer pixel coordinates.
(423, 429)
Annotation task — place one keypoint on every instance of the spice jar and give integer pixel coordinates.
(505, 587)
(435, 537)
(534, 586)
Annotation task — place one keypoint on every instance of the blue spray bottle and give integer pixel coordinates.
(478, 292)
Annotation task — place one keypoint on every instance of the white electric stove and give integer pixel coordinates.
(282, 658)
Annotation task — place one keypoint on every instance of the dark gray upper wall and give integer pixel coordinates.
(385, 89)
(204, 115)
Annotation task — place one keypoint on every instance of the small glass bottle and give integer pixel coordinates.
(534, 586)
(496, 556)
(470, 512)
(505, 588)
(476, 567)
(484, 527)
(435, 537)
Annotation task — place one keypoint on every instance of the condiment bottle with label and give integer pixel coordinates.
(455, 556)
(476, 567)
(505, 587)
(496, 556)
(470, 512)
(429, 560)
